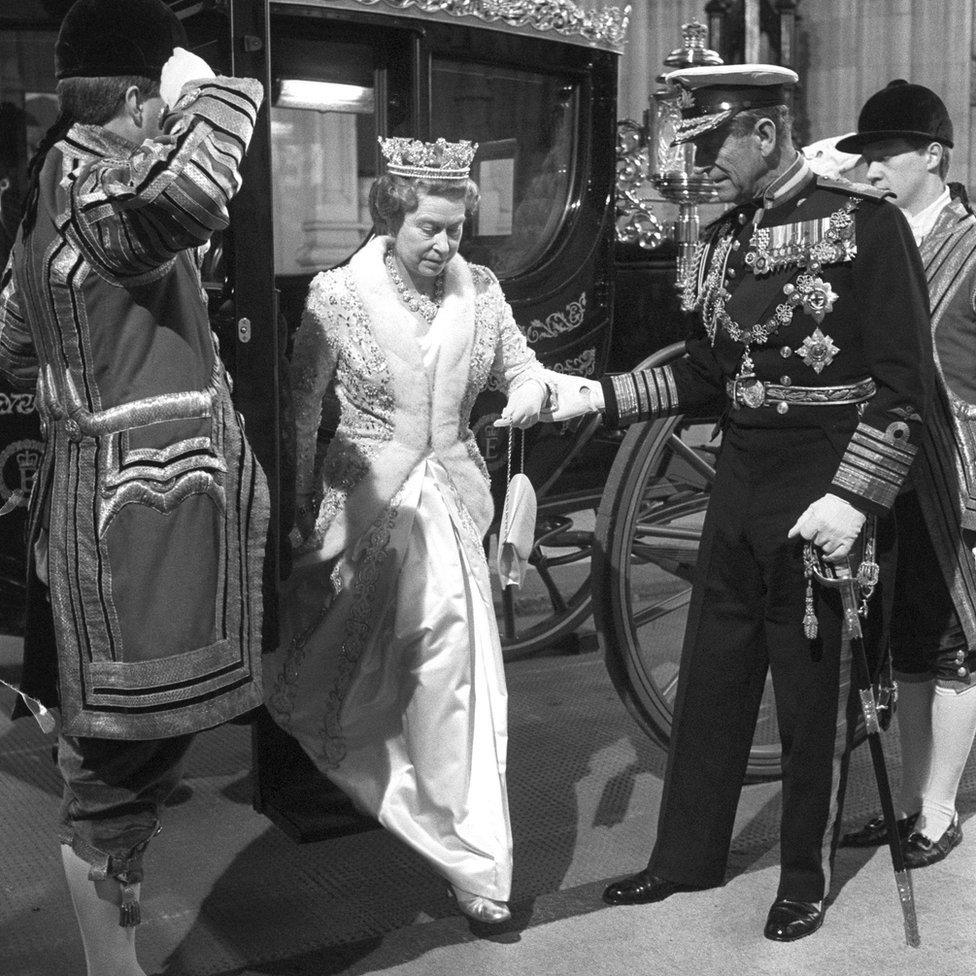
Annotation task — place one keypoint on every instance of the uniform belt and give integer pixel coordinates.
(753, 393)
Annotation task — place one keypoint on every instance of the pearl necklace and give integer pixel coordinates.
(419, 304)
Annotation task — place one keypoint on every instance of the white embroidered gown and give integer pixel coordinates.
(390, 670)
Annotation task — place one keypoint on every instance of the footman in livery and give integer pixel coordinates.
(148, 515)
(905, 135)
(815, 350)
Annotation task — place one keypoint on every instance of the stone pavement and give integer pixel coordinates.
(228, 894)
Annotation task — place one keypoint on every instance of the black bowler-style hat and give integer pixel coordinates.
(109, 38)
(900, 111)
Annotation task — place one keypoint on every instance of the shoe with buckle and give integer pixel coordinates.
(641, 888)
(920, 852)
(875, 833)
(480, 908)
(790, 920)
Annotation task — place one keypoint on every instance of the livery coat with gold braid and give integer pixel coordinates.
(945, 473)
(834, 282)
(154, 507)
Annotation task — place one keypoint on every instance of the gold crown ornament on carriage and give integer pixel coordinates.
(448, 162)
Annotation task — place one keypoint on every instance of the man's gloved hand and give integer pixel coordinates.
(832, 524)
(524, 405)
(183, 66)
(574, 397)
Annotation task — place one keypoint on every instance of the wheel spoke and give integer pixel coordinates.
(668, 690)
(556, 599)
(671, 605)
(558, 603)
(666, 532)
(692, 458)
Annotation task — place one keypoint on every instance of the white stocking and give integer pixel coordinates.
(953, 727)
(914, 716)
(110, 949)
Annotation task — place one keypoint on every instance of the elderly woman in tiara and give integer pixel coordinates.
(389, 673)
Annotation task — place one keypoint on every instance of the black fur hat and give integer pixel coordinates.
(116, 37)
(900, 111)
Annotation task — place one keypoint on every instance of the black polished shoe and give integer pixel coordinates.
(642, 888)
(920, 852)
(874, 833)
(791, 920)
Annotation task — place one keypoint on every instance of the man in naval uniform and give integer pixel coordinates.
(815, 348)
(148, 515)
(905, 135)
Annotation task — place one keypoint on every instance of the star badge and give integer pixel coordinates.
(818, 350)
(816, 296)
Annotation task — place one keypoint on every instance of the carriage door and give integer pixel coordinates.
(333, 87)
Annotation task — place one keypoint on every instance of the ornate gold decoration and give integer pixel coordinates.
(636, 222)
(19, 462)
(596, 22)
(20, 403)
(582, 365)
(558, 322)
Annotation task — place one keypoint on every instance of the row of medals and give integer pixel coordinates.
(772, 249)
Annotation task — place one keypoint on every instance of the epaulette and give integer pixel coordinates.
(854, 189)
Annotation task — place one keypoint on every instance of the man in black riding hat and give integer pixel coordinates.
(814, 348)
(905, 136)
(148, 514)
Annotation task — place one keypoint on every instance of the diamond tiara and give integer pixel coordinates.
(440, 160)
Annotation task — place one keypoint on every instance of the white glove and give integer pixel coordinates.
(574, 397)
(832, 524)
(182, 66)
(524, 405)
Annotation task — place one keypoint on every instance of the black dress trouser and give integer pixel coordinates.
(745, 620)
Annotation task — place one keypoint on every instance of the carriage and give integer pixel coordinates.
(534, 83)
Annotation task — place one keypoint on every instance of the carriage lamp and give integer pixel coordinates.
(648, 162)
(673, 167)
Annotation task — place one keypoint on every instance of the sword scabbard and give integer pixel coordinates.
(906, 895)
(869, 708)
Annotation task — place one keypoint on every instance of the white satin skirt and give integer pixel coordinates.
(394, 685)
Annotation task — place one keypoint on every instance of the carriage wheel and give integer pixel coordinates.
(648, 531)
(555, 598)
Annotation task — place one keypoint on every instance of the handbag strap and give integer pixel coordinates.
(508, 467)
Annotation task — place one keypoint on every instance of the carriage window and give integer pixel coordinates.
(525, 124)
(28, 105)
(323, 147)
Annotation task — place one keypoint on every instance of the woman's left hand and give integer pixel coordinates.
(524, 405)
